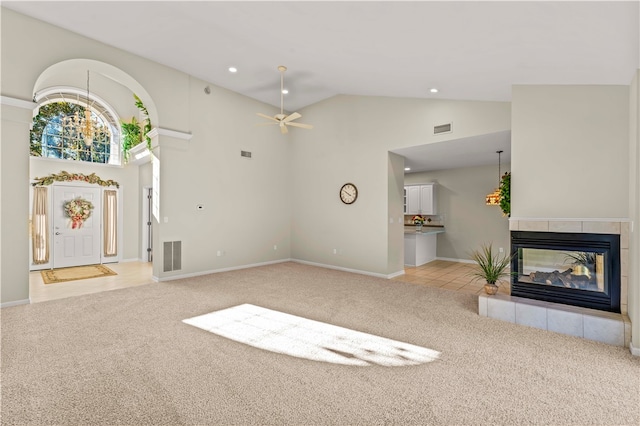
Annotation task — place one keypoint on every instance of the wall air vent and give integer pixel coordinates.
(172, 260)
(245, 154)
(442, 128)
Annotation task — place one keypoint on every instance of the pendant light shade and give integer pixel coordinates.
(493, 199)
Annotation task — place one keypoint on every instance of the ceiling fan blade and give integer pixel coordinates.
(291, 117)
(283, 128)
(304, 126)
(266, 124)
(267, 117)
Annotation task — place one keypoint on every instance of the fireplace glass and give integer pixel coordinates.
(582, 270)
(577, 269)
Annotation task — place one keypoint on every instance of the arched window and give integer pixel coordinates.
(53, 134)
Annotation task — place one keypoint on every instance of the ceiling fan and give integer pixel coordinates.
(282, 119)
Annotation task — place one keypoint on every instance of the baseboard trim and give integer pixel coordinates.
(15, 303)
(215, 271)
(340, 268)
(253, 265)
(449, 259)
(634, 351)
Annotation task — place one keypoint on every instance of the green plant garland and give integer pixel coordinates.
(147, 120)
(505, 194)
(131, 136)
(70, 177)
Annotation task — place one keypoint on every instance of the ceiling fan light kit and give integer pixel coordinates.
(283, 120)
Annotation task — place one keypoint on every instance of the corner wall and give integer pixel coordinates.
(468, 221)
(634, 212)
(350, 142)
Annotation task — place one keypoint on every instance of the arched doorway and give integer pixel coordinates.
(113, 89)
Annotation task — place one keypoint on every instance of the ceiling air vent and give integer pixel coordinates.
(443, 128)
(245, 154)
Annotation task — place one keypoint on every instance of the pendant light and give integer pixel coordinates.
(84, 124)
(493, 199)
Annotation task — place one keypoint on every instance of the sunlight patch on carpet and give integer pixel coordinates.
(303, 338)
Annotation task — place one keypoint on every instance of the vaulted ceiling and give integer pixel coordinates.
(467, 50)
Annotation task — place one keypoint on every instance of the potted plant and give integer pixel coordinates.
(134, 133)
(490, 267)
(131, 136)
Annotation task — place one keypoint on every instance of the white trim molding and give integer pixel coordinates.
(18, 103)
(340, 268)
(159, 131)
(634, 351)
(215, 271)
(15, 303)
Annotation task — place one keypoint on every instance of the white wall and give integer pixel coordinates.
(395, 204)
(634, 210)
(569, 151)
(468, 221)
(350, 143)
(247, 205)
(247, 201)
(14, 204)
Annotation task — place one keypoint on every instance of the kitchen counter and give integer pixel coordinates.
(420, 247)
(426, 229)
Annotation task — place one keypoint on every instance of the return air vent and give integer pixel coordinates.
(245, 154)
(172, 256)
(442, 128)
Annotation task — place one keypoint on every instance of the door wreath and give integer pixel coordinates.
(78, 210)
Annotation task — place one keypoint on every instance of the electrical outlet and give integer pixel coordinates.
(335, 251)
(501, 250)
(275, 247)
(221, 253)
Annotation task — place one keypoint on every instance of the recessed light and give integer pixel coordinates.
(285, 91)
(233, 69)
(433, 90)
(406, 169)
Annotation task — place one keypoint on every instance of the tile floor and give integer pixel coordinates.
(455, 276)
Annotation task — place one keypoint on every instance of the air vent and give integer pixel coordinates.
(172, 256)
(443, 128)
(245, 154)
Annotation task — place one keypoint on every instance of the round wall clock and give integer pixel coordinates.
(348, 193)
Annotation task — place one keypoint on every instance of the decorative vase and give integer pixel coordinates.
(490, 288)
(418, 227)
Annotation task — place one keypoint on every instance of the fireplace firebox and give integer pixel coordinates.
(568, 268)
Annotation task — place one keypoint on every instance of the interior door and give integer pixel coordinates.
(80, 245)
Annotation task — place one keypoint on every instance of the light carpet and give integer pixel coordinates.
(60, 275)
(125, 357)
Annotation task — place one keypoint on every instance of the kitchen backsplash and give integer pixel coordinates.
(435, 219)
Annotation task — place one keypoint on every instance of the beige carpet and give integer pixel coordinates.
(124, 357)
(60, 275)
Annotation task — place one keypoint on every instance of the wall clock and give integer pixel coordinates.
(348, 193)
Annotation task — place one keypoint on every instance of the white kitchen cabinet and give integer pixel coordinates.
(419, 248)
(420, 199)
(413, 200)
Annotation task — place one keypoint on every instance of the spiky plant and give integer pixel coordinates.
(490, 266)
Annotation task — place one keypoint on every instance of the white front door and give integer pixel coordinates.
(79, 245)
